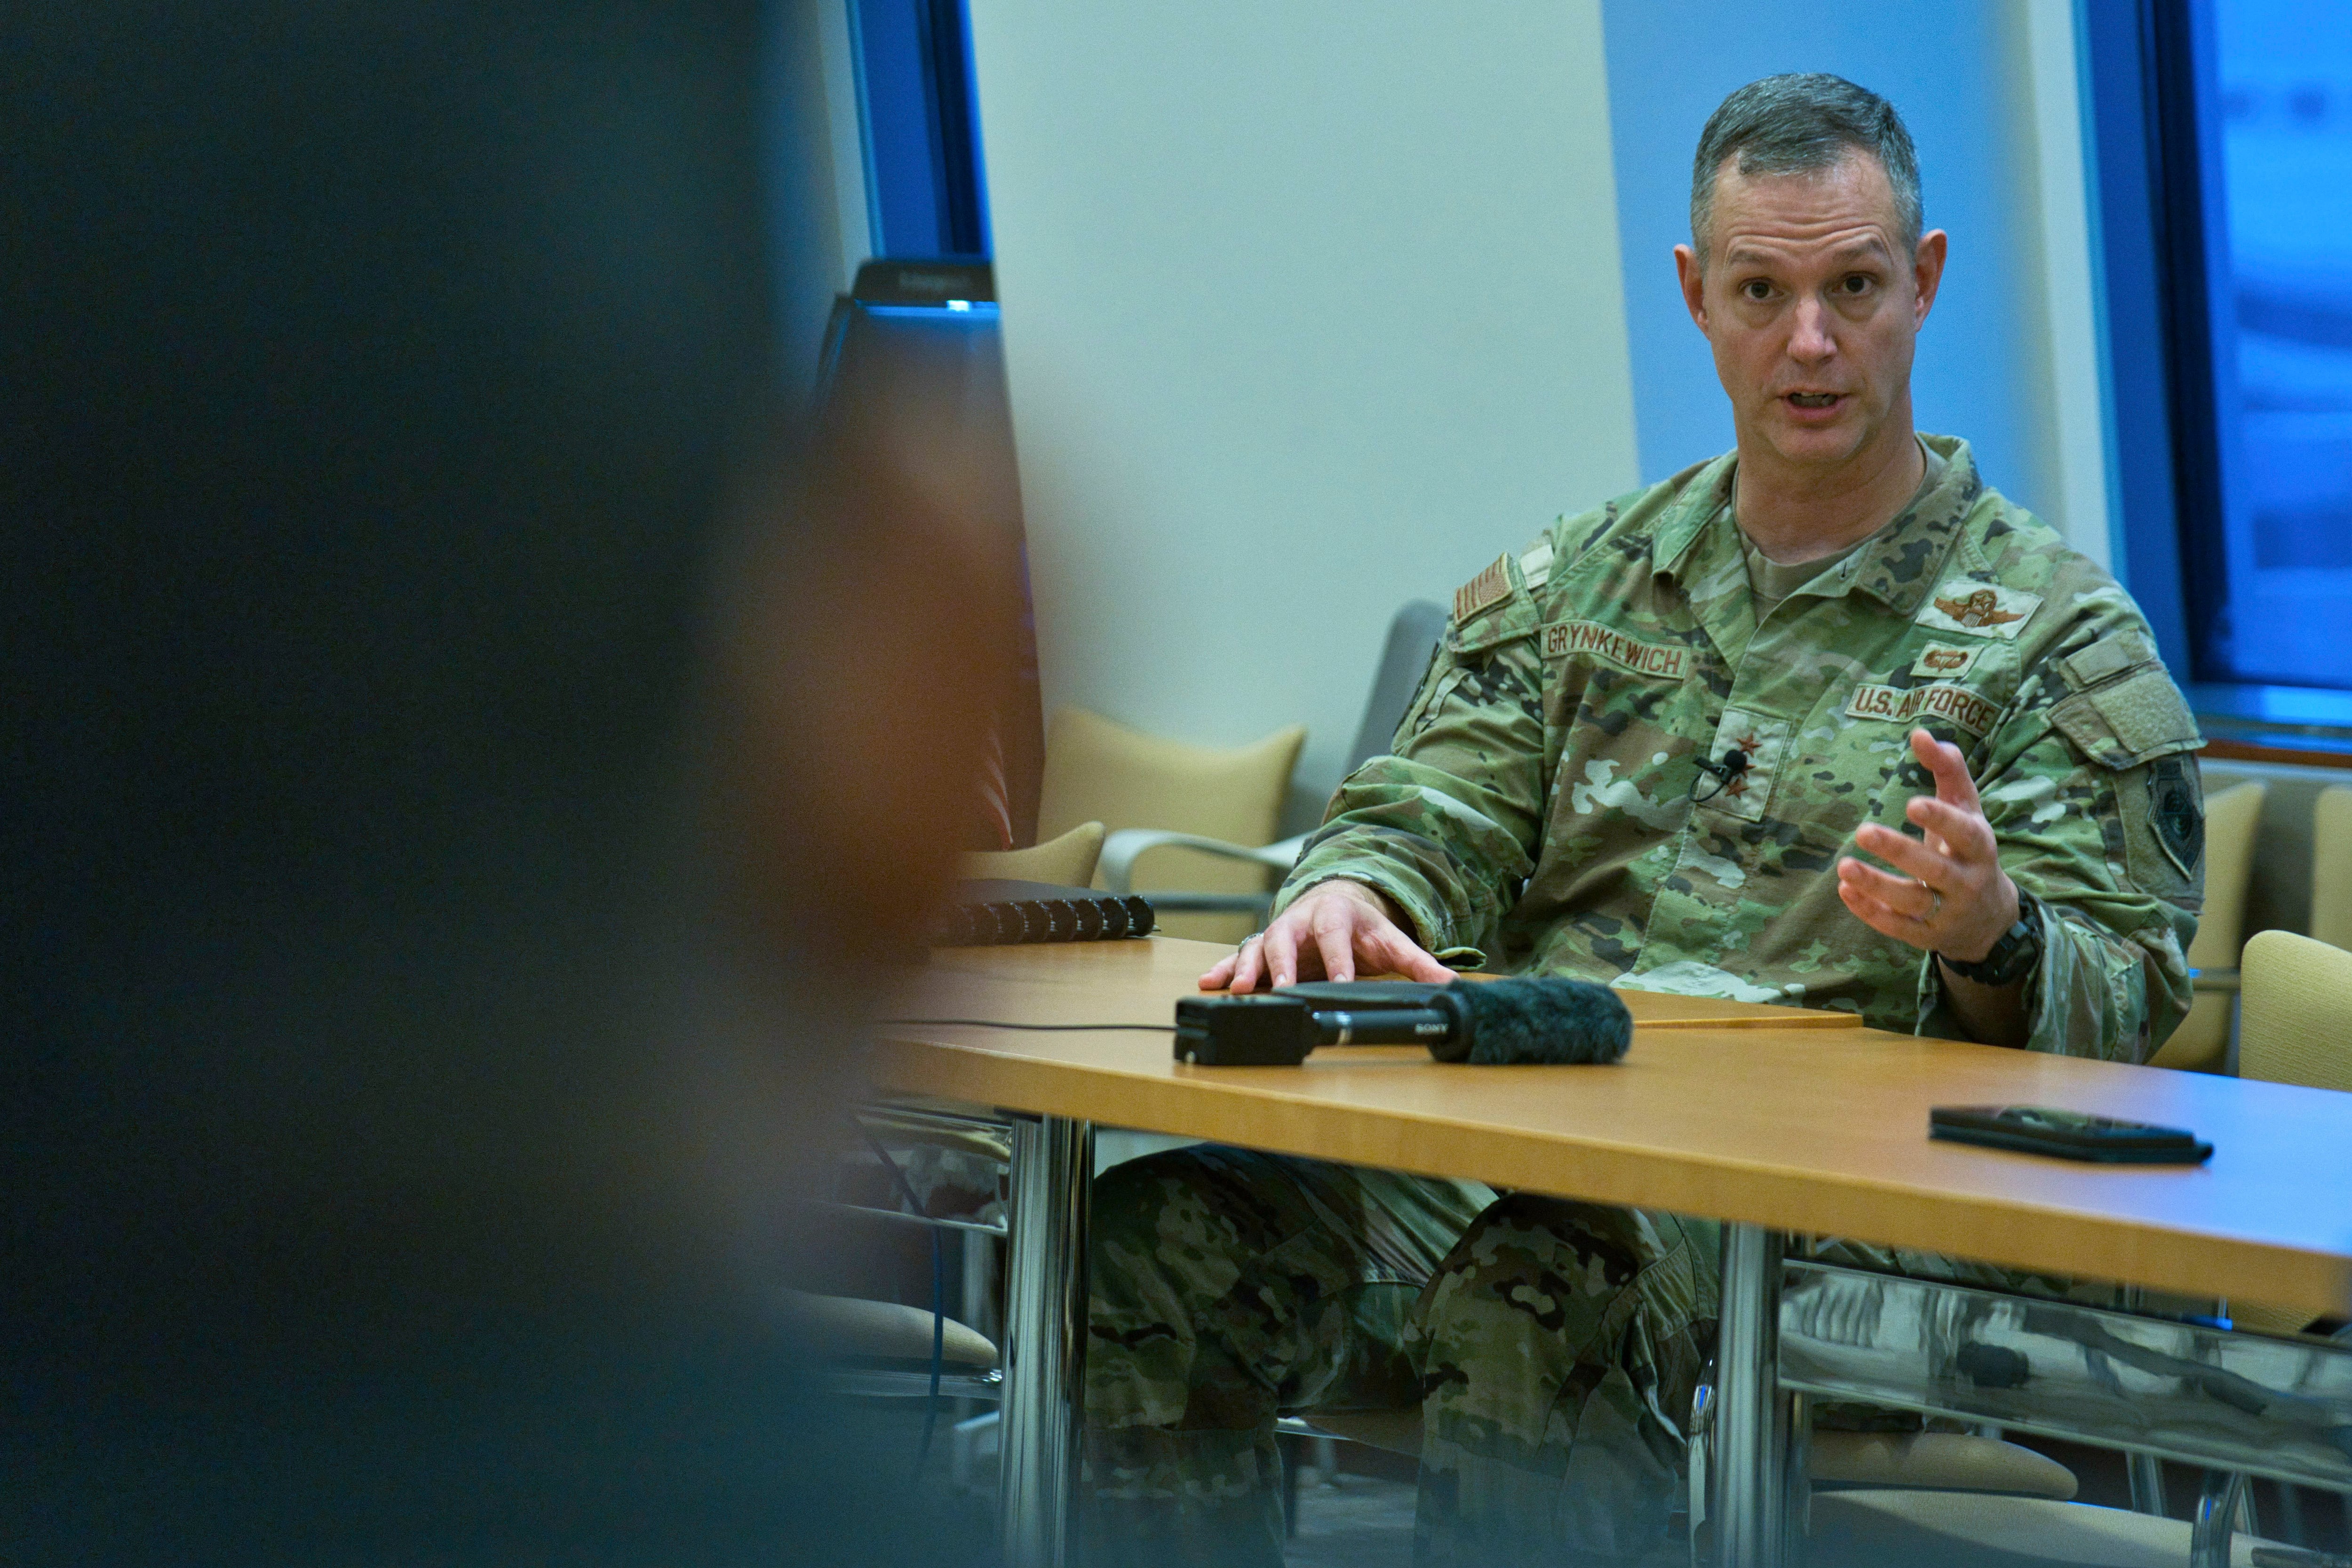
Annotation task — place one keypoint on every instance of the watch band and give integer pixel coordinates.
(2013, 956)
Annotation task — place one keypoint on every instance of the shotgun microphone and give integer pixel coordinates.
(1485, 1022)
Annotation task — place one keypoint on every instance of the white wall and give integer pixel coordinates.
(1310, 309)
(2079, 441)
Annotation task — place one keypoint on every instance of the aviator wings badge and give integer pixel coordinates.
(1980, 609)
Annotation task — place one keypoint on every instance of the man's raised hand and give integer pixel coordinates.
(1954, 897)
(1335, 931)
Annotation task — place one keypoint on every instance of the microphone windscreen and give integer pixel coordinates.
(1559, 1022)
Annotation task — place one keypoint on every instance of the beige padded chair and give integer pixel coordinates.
(1067, 861)
(2297, 1026)
(1413, 633)
(1936, 1461)
(844, 1328)
(2331, 867)
(1957, 1530)
(2296, 1029)
(1099, 771)
(1941, 1461)
(2202, 1043)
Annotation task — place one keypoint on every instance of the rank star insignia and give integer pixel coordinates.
(1752, 748)
(1981, 608)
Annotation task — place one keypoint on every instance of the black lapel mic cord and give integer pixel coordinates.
(1733, 764)
(1725, 773)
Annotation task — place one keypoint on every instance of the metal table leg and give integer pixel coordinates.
(1045, 1340)
(1749, 1515)
(2217, 1515)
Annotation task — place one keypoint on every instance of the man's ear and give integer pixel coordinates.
(1927, 273)
(1694, 282)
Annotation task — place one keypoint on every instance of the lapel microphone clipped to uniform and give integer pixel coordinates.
(1725, 772)
(1483, 1023)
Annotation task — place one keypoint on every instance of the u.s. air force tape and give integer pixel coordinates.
(1943, 700)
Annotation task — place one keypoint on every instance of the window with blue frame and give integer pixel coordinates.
(920, 317)
(2280, 611)
(926, 181)
(2225, 148)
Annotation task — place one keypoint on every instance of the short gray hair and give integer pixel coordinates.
(1800, 125)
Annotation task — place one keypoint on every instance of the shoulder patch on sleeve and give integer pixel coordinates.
(2109, 656)
(2176, 812)
(1535, 563)
(1489, 587)
(2125, 723)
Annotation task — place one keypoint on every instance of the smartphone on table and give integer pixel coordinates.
(2068, 1134)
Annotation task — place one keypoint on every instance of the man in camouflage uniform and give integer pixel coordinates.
(1653, 749)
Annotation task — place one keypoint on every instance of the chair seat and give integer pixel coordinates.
(844, 1329)
(1946, 1530)
(2262, 1318)
(1940, 1461)
(1936, 1461)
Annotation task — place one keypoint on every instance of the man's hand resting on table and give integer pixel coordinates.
(1335, 931)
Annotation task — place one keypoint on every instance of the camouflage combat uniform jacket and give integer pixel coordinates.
(1545, 803)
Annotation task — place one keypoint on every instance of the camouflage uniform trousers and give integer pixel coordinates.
(1554, 1346)
(1561, 1344)
(1230, 1287)
(1560, 1348)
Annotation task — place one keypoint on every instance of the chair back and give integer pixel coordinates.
(1412, 636)
(1067, 861)
(1103, 771)
(2202, 1043)
(2297, 1026)
(2294, 1025)
(2331, 867)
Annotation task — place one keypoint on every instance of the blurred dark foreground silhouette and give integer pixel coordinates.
(467, 760)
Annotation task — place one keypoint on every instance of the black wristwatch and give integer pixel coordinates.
(2014, 957)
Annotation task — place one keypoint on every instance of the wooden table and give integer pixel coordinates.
(1774, 1119)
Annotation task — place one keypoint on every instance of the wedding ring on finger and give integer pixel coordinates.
(1936, 902)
